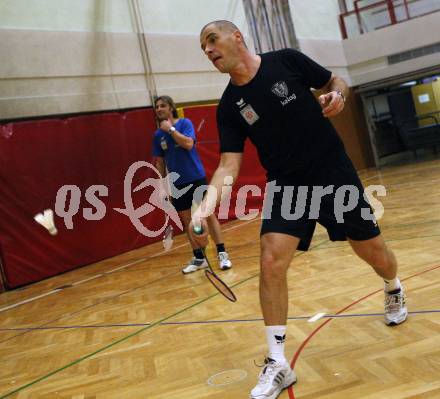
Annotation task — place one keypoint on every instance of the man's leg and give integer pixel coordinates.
(381, 258)
(376, 253)
(198, 261)
(214, 229)
(216, 234)
(185, 217)
(277, 251)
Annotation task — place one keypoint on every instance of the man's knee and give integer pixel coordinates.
(185, 218)
(272, 266)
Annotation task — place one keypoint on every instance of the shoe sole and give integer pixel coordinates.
(193, 271)
(277, 394)
(396, 323)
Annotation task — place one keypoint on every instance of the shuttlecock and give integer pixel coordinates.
(46, 220)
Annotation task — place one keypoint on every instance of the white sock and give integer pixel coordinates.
(276, 335)
(391, 285)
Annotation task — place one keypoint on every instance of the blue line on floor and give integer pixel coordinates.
(176, 323)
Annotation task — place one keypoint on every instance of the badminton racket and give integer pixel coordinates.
(215, 280)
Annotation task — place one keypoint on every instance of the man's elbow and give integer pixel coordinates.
(189, 145)
(231, 170)
(339, 80)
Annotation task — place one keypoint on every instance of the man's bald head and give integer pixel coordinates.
(223, 25)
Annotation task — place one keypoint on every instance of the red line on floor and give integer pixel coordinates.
(316, 330)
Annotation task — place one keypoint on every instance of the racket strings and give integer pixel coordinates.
(220, 286)
(216, 281)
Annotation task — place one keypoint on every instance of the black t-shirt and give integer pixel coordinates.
(280, 115)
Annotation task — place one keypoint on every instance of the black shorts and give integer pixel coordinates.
(185, 202)
(357, 223)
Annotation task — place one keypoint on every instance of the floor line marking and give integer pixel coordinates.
(123, 339)
(12, 306)
(86, 280)
(314, 332)
(85, 357)
(316, 317)
(290, 391)
(30, 300)
(182, 323)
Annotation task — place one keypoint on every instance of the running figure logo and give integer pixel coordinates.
(158, 199)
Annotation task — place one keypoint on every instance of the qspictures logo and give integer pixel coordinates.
(292, 202)
(68, 200)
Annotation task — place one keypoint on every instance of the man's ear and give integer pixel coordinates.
(238, 36)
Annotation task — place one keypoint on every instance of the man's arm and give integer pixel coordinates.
(184, 141)
(160, 166)
(164, 192)
(336, 94)
(219, 187)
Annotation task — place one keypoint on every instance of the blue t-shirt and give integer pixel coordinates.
(186, 163)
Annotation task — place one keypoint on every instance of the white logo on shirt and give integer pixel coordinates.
(241, 103)
(247, 112)
(163, 144)
(281, 90)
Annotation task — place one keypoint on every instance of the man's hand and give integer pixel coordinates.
(200, 239)
(165, 125)
(332, 103)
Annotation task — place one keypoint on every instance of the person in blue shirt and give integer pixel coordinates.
(174, 149)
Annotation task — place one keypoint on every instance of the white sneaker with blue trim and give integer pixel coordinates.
(195, 264)
(396, 311)
(224, 262)
(274, 377)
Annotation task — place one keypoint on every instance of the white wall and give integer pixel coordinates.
(367, 54)
(317, 29)
(316, 19)
(64, 72)
(363, 59)
(189, 16)
(66, 15)
(159, 16)
(65, 56)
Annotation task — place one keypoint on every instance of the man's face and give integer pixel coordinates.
(163, 110)
(220, 47)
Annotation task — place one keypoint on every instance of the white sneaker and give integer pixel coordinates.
(224, 262)
(195, 264)
(273, 379)
(396, 311)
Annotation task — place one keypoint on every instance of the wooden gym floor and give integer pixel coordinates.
(134, 327)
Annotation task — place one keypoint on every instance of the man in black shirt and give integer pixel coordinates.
(269, 101)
